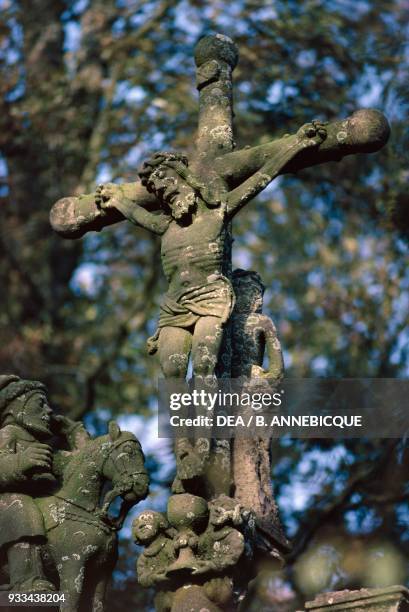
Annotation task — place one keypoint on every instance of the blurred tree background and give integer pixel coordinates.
(88, 89)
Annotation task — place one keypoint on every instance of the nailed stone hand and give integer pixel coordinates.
(106, 194)
(312, 134)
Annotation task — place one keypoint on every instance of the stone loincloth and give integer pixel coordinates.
(184, 309)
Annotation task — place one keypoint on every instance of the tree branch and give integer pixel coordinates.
(307, 531)
(120, 337)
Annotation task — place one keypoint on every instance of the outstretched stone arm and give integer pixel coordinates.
(72, 217)
(280, 153)
(110, 197)
(365, 131)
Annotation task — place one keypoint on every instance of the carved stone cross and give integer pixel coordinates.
(190, 203)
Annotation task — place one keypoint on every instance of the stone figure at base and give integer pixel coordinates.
(25, 472)
(56, 532)
(152, 530)
(190, 554)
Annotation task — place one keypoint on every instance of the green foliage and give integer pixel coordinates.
(88, 89)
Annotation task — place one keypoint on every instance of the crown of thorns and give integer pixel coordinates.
(151, 164)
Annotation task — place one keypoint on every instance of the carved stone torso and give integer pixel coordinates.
(155, 560)
(191, 253)
(14, 440)
(20, 517)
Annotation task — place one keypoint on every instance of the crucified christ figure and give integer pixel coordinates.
(193, 223)
(191, 204)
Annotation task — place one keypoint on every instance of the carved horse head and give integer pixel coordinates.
(124, 468)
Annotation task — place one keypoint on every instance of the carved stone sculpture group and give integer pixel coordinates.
(56, 531)
(187, 549)
(55, 528)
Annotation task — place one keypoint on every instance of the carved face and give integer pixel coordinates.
(172, 189)
(146, 526)
(33, 413)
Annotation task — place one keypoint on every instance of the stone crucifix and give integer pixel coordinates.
(191, 202)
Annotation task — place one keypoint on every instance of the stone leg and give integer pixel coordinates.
(174, 351)
(207, 338)
(214, 455)
(26, 568)
(72, 584)
(98, 599)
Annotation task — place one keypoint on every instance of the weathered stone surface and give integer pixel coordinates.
(193, 598)
(190, 203)
(214, 48)
(197, 545)
(73, 216)
(55, 534)
(390, 599)
(152, 530)
(365, 131)
(252, 334)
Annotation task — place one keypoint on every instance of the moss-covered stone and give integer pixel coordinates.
(190, 204)
(55, 531)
